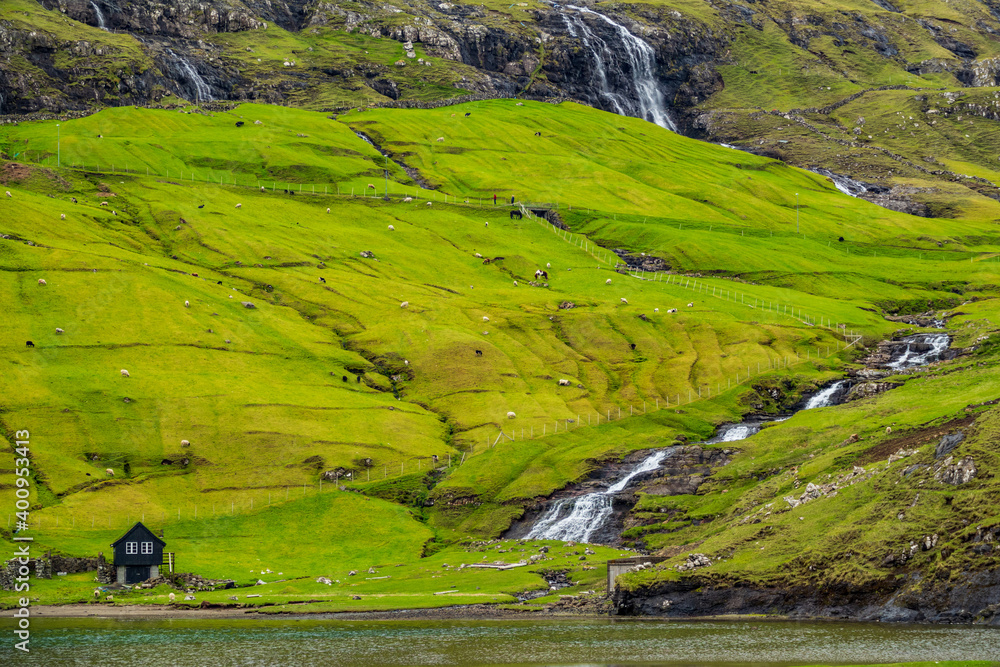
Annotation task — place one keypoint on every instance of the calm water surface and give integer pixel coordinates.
(219, 643)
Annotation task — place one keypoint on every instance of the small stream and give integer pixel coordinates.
(583, 517)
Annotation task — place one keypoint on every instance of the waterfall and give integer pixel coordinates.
(921, 349)
(577, 519)
(646, 99)
(825, 397)
(848, 186)
(101, 23)
(202, 91)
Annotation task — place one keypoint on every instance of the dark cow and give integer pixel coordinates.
(516, 214)
(29, 344)
(479, 353)
(841, 239)
(541, 274)
(632, 345)
(538, 134)
(344, 378)
(239, 123)
(468, 114)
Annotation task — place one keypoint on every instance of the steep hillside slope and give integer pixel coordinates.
(361, 380)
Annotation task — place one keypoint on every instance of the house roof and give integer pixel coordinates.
(144, 532)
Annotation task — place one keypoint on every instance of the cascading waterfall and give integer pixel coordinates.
(848, 186)
(921, 349)
(646, 100)
(202, 91)
(101, 23)
(825, 397)
(579, 518)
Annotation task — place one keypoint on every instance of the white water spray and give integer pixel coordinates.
(648, 102)
(579, 518)
(824, 398)
(101, 23)
(203, 93)
(921, 349)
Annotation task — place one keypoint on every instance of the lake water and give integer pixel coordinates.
(260, 643)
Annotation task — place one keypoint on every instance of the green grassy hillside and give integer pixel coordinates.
(348, 411)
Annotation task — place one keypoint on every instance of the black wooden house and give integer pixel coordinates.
(138, 555)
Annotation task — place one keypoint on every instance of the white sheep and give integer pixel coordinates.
(97, 591)
(62, 216)
(58, 330)
(104, 203)
(187, 304)
(41, 281)
(263, 189)
(8, 194)
(408, 199)
(564, 382)
(111, 473)
(548, 265)
(404, 304)
(440, 138)
(511, 415)
(406, 362)
(479, 256)
(485, 319)
(428, 203)
(239, 206)
(672, 310)
(624, 300)
(608, 281)
(691, 305)
(327, 209)
(391, 228)
(888, 430)
(371, 185)
(185, 443)
(515, 283)
(171, 597)
(656, 310)
(125, 373)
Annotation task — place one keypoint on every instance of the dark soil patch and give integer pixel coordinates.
(911, 440)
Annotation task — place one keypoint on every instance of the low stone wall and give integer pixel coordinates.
(46, 566)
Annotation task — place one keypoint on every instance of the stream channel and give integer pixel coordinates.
(587, 517)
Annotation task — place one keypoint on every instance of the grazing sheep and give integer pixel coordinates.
(404, 304)
(548, 265)
(8, 194)
(248, 304)
(428, 203)
(97, 593)
(114, 213)
(371, 186)
(485, 319)
(187, 304)
(74, 199)
(691, 305)
(888, 430)
(656, 310)
(391, 228)
(408, 199)
(104, 203)
(515, 283)
(608, 281)
(263, 189)
(58, 330)
(440, 138)
(322, 279)
(672, 310)
(185, 443)
(28, 343)
(519, 104)
(239, 206)
(62, 216)
(511, 415)
(479, 256)
(125, 373)
(41, 281)
(406, 362)
(564, 383)
(109, 598)
(111, 473)
(624, 300)
(327, 209)
(171, 597)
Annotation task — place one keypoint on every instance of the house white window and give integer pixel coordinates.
(147, 547)
(131, 548)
